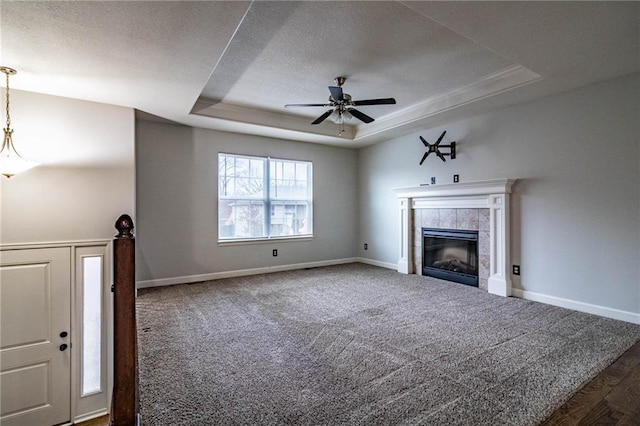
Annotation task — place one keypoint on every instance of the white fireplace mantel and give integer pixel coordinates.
(491, 194)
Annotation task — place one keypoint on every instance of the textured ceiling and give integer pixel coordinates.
(289, 52)
(233, 65)
(302, 46)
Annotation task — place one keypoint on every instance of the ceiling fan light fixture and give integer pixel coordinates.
(11, 163)
(335, 117)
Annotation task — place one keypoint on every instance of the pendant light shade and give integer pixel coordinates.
(11, 163)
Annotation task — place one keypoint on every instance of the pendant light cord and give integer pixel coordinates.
(7, 103)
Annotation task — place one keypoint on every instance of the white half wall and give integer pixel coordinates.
(575, 217)
(177, 195)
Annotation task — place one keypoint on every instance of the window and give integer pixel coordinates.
(91, 325)
(261, 198)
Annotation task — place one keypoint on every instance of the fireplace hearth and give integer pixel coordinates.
(450, 254)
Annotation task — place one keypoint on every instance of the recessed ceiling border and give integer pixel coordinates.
(492, 84)
(241, 119)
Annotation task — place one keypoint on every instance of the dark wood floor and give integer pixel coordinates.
(612, 398)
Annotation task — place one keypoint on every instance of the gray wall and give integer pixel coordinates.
(576, 209)
(176, 175)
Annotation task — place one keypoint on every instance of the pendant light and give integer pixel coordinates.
(11, 163)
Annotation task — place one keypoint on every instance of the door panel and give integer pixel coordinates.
(35, 299)
(25, 283)
(25, 388)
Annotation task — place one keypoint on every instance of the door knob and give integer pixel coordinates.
(63, 347)
(64, 334)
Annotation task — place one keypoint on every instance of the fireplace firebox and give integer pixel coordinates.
(450, 254)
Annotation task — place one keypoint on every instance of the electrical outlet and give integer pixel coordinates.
(275, 252)
(516, 269)
(366, 246)
(433, 180)
(456, 178)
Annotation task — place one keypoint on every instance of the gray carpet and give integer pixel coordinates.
(360, 345)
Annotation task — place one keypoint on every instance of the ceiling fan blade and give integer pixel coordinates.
(424, 157)
(322, 117)
(440, 139)
(360, 115)
(382, 101)
(336, 93)
(306, 105)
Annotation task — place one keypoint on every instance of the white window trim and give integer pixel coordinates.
(267, 239)
(246, 241)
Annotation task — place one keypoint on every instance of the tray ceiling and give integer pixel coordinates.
(232, 66)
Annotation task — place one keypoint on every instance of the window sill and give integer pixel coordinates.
(239, 242)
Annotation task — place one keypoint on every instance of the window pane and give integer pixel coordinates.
(241, 219)
(289, 218)
(225, 171)
(301, 172)
(289, 172)
(257, 168)
(240, 177)
(226, 228)
(91, 324)
(256, 219)
(287, 183)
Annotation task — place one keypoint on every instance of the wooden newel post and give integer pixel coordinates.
(124, 402)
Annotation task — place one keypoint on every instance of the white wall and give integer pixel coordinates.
(80, 189)
(576, 209)
(85, 182)
(177, 231)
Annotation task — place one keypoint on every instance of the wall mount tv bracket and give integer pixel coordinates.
(435, 148)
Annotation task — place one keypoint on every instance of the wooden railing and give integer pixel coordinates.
(124, 401)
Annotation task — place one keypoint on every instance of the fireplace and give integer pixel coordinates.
(450, 254)
(491, 196)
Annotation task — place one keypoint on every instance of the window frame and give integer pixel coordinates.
(268, 202)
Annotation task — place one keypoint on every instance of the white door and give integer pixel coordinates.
(35, 311)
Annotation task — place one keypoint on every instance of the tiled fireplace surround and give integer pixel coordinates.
(481, 206)
(467, 219)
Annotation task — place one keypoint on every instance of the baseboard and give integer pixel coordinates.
(242, 272)
(602, 311)
(387, 265)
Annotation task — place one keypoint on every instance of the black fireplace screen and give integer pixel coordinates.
(450, 254)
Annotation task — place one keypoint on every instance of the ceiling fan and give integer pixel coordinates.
(342, 106)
